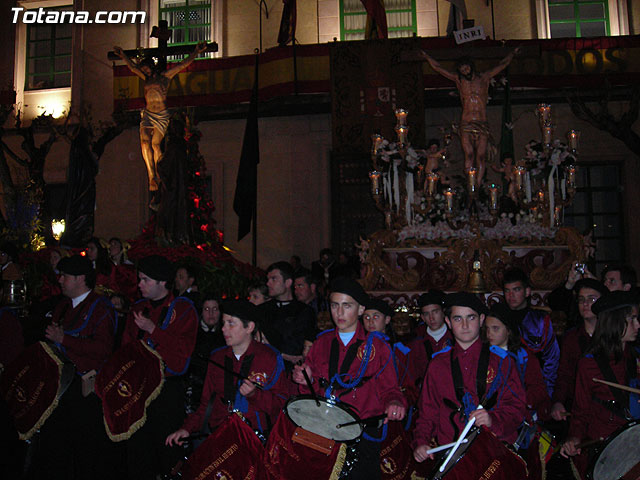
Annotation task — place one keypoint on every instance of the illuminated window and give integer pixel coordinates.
(579, 18)
(401, 19)
(189, 22)
(48, 55)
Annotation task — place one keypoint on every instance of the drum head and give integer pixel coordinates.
(619, 455)
(323, 420)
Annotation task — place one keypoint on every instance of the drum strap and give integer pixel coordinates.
(464, 401)
(481, 374)
(230, 381)
(621, 399)
(334, 357)
(428, 348)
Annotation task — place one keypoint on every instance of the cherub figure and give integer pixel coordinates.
(507, 169)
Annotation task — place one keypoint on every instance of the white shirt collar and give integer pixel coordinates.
(79, 299)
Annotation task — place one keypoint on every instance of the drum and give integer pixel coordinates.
(483, 456)
(286, 455)
(324, 417)
(619, 455)
(232, 451)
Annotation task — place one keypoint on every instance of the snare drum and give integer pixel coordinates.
(323, 417)
(483, 456)
(619, 455)
(232, 451)
(293, 452)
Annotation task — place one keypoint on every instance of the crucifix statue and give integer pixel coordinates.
(154, 118)
(473, 87)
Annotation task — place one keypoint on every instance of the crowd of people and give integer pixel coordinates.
(422, 379)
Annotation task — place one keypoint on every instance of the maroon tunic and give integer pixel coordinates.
(262, 404)
(371, 397)
(590, 419)
(434, 417)
(88, 340)
(175, 343)
(411, 364)
(538, 399)
(431, 346)
(570, 353)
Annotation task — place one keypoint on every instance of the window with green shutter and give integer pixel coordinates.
(189, 21)
(401, 19)
(48, 58)
(578, 18)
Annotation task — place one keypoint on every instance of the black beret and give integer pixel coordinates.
(75, 265)
(465, 299)
(350, 287)
(243, 309)
(379, 305)
(432, 297)
(614, 300)
(503, 313)
(157, 268)
(591, 283)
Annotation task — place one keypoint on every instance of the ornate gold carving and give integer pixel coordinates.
(547, 261)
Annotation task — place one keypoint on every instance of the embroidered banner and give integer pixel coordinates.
(130, 380)
(32, 385)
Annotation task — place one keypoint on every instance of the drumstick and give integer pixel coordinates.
(241, 377)
(459, 441)
(313, 392)
(617, 385)
(588, 443)
(375, 418)
(444, 447)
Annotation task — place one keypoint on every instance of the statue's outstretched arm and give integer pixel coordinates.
(438, 68)
(178, 67)
(134, 69)
(504, 63)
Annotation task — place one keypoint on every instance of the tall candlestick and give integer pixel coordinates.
(544, 113)
(402, 131)
(471, 177)
(519, 174)
(547, 134)
(376, 143)
(557, 216)
(432, 182)
(401, 115)
(541, 196)
(571, 176)
(573, 136)
(493, 197)
(448, 194)
(374, 176)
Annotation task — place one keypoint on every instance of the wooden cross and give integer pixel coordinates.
(162, 33)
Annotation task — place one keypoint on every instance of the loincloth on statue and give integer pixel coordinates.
(475, 128)
(159, 120)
